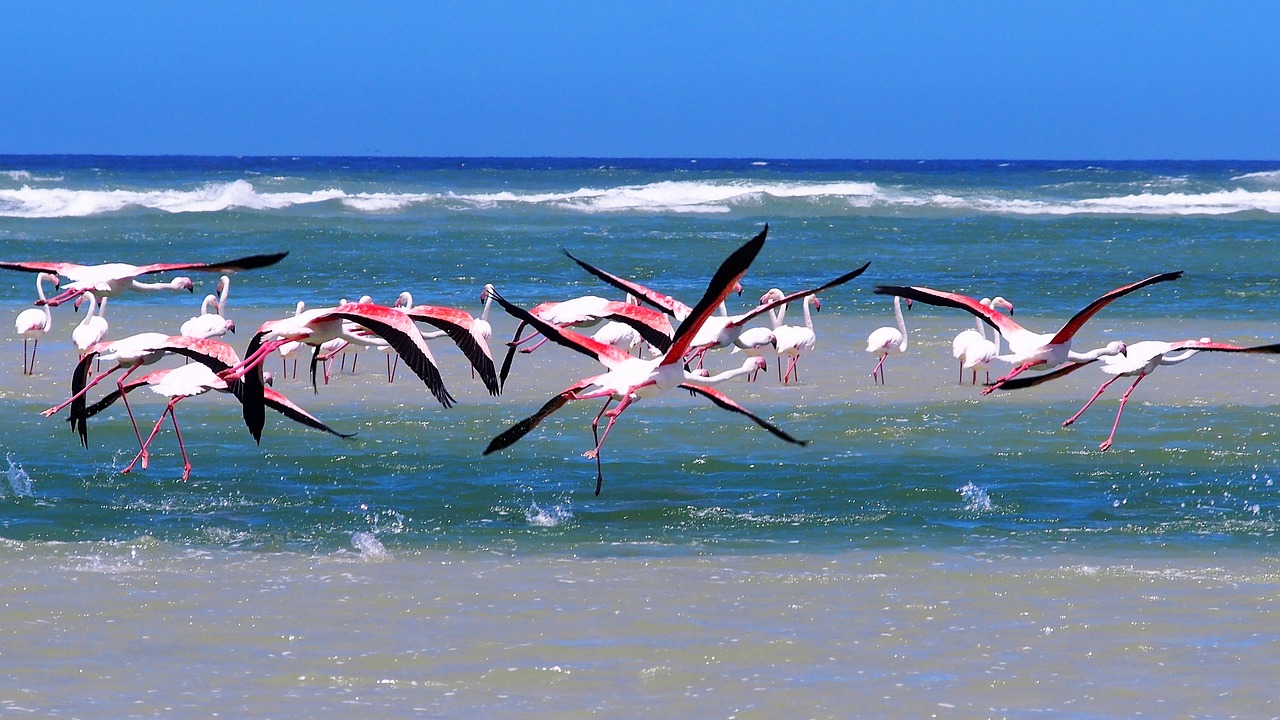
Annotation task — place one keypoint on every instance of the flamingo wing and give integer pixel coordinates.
(458, 325)
(722, 282)
(652, 325)
(402, 335)
(1001, 322)
(724, 401)
(666, 303)
(1026, 381)
(607, 355)
(286, 407)
(1223, 347)
(742, 319)
(57, 268)
(251, 262)
(1073, 325)
(511, 435)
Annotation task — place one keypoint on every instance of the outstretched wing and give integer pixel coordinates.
(511, 435)
(666, 303)
(402, 335)
(286, 407)
(457, 324)
(607, 355)
(1027, 380)
(58, 268)
(724, 401)
(722, 283)
(252, 262)
(1073, 325)
(742, 319)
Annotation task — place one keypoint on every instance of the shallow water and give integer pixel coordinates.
(931, 552)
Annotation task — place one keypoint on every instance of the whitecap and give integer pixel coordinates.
(975, 498)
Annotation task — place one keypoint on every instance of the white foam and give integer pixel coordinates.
(369, 546)
(975, 498)
(554, 516)
(18, 481)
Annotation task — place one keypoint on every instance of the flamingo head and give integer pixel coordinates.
(487, 292)
(1000, 302)
(1117, 348)
(268, 378)
(184, 283)
(231, 326)
(817, 303)
(76, 305)
(756, 363)
(737, 288)
(404, 300)
(772, 295)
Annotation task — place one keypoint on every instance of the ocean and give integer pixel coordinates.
(931, 552)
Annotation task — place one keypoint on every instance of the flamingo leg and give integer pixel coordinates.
(186, 463)
(94, 381)
(961, 380)
(1096, 395)
(125, 397)
(142, 454)
(35, 346)
(879, 369)
(1016, 372)
(537, 345)
(1123, 399)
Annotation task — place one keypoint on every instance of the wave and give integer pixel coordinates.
(668, 196)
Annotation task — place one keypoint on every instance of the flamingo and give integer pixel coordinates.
(93, 328)
(628, 379)
(792, 340)
(755, 342)
(34, 323)
(1142, 359)
(189, 381)
(1029, 349)
(888, 340)
(209, 324)
(716, 331)
(314, 327)
(588, 311)
(288, 349)
(110, 279)
(973, 349)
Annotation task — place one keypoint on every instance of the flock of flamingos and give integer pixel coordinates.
(671, 340)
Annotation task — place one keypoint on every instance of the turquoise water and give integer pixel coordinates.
(909, 496)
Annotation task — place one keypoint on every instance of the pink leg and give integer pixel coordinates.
(186, 463)
(535, 346)
(125, 397)
(142, 454)
(1123, 399)
(1096, 395)
(1016, 372)
(879, 369)
(96, 379)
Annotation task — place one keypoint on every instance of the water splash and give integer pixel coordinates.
(370, 547)
(554, 516)
(975, 498)
(19, 482)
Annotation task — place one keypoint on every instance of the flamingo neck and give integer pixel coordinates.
(93, 308)
(1179, 357)
(225, 284)
(897, 314)
(747, 367)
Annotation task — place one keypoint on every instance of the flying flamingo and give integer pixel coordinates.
(665, 303)
(888, 340)
(792, 340)
(1029, 349)
(93, 328)
(189, 381)
(628, 378)
(110, 279)
(715, 331)
(1143, 358)
(33, 323)
(588, 311)
(973, 349)
(314, 327)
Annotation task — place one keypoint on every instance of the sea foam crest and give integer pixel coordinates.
(29, 202)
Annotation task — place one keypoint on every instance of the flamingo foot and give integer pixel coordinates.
(1105, 445)
(186, 471)
(592, 454)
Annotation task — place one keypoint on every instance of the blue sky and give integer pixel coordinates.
(1057, 80)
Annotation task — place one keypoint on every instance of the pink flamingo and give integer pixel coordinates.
(973, 349)
(33, 323)
(211, 324)
(888, 340)
(110, 279)
(315, 327)
(1142, 359)
(189, 381)
(94, 327)
(1029, 349)
(629, 378)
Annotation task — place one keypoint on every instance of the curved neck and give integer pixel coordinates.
(48, 314)
(225, 282)
(1179, 357)
(93, 307)
(1091, 355)
(897, 314)
(208, 300)
(746, 367)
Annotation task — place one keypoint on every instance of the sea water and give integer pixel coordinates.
(930, 552)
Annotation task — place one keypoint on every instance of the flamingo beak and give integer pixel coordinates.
(908, 304)
(231, 326)
(817, 304)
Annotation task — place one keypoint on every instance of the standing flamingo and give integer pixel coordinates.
(110, 279)
(208, 324)
(1142, 359)
(792, 340)
(888, 340)
(93, 328)
(34, 323)
(973, 349)
(1029, 349)
(628, 378)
